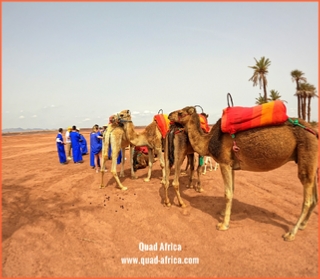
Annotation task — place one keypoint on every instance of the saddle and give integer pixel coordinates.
(236, 119)
(163, 123)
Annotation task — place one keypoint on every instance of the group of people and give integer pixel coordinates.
(76, 146)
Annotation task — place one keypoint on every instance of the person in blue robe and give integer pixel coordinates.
(75, 143)
(83, 143)
(60, 147)
(96, 146)
(92, 146)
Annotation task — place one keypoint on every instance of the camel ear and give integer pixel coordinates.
(128, 112)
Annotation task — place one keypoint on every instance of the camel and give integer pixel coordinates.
(150, 137)
(208, 161)
(116, 137)
(177, 147)
(258, 149)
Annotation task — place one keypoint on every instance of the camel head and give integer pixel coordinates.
(125, 116)
(183, 115)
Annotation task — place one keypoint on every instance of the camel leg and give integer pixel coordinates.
(123, 150)
(167, 173)
(228, 179)
(205, 166)
(151, 157)
(133, 174)
(309, 202)
(175, 185)
(313, 205)
(102, 170)
(198, 187)
(216, 166)
(161, 159)
(105, 150)
(115, 153)
(191, 166)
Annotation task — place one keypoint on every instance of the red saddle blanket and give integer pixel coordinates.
(236, 119)
(163, 123)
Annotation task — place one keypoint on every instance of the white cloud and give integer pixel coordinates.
(86, 119)
(34, 116)
(21, 117)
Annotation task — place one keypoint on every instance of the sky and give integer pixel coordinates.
(77, 63)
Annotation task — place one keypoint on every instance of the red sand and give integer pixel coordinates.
(56, 222)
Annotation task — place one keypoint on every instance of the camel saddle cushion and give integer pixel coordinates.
(236, 119)
(163, 123)
(204, 123)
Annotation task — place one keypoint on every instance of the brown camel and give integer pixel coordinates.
(177, 147)
(150, 137)
(258, 149)
(116, 137)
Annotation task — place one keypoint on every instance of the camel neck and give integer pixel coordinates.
(198, 139)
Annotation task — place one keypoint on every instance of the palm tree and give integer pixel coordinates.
(260, 100)
(298, 77)
(259, 74)
(274, 95)
(306, 91)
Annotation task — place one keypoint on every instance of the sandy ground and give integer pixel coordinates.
(56, 222)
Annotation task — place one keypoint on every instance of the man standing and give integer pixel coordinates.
(68, 143)
(60, 148)
(75, 145)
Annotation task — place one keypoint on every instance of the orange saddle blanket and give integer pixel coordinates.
(204, 123)
(163, 123)
(236, 119)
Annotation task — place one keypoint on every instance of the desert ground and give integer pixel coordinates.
(57, 222)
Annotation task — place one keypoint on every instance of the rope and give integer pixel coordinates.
(295, 122)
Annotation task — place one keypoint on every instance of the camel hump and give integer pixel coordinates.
(162, 123)
(236, 119)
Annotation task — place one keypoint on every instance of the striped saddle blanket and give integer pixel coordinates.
(163, 123)
(236, 119)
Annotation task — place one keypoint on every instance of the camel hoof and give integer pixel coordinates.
(124, 188)
(121, 175)
(200, 190)
(102, 186)
(183, 205)
(146, 180)
(222, 227)
(134, 177)
(288, 236)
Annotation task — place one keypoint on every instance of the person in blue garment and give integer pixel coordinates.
(83, 143)
(75, 144)
(60, 148)
(96, 147)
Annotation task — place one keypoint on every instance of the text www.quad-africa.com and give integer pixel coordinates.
(160, 260)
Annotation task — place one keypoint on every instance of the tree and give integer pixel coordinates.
(298, 77)
(274, 95)
(260, 100)
(306, 92)
(259, 74)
